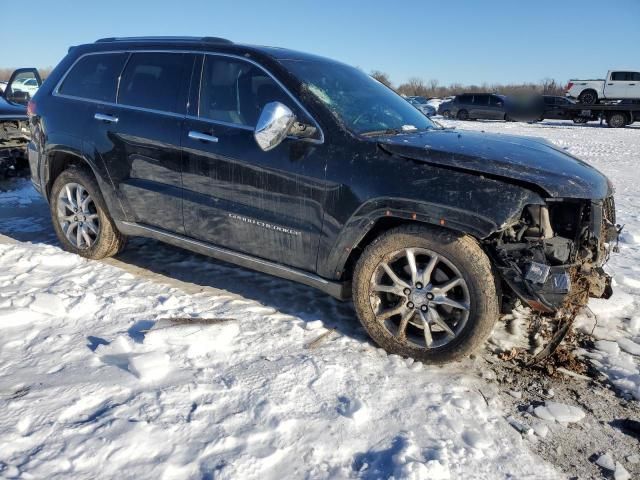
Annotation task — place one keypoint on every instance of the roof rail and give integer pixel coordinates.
(165, 39)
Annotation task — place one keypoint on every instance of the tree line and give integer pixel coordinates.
(418, 87)
(5, 73)
(431, 88)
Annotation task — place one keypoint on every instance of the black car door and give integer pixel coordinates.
(496, 108)
(139, 137)
(266, 204)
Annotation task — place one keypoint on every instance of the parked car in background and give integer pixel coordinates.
(618, 85)
(309, 169)
(533, 108)
(14, 129)
(422, 104)
(472, 106)
(29, 85)
(445, 106)
(554, 108)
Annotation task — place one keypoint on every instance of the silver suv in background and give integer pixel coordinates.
(423, 105)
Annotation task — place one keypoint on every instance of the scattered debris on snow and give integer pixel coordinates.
(558, 412)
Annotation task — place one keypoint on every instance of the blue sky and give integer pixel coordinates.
(462, 41)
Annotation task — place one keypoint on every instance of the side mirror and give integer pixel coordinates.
(273, 125)
(23, 81)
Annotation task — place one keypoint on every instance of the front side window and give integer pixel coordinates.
(94, 77)
(636, 77)
(621, 76)
(154, 81)
(235, 91)
(357, 101)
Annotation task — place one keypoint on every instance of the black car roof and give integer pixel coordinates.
(199, 43)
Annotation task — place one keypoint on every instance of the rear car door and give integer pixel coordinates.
(266, 204)
(91, 80)
(138, 137)
(480, 107)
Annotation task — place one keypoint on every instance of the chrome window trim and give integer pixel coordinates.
(57, 93)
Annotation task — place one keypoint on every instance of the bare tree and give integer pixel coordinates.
(414, 87)
(382, 77)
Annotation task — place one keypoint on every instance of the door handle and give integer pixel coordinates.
(202, 137)
(632, 84)
(106, 118)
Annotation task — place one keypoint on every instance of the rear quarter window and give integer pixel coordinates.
(94, 77)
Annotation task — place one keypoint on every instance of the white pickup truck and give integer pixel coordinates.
(619, 85)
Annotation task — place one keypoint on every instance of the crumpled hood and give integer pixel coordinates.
(12, 110)
(530, 160)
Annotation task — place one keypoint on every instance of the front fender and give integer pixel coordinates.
(500, 208)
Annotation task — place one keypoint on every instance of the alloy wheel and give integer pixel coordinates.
(78, 216)
(420, 298)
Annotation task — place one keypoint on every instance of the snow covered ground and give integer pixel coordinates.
(99, 377)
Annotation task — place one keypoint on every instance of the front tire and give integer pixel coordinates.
(426, 293)
(80, 216)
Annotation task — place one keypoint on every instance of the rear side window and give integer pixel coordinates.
(464, 98)
(481, 100)
(94, 77)
(154, 81)
(234, 91)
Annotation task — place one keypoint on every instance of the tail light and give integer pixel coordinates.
(569, 85)
(31, 108)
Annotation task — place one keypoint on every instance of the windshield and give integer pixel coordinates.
(362, 104)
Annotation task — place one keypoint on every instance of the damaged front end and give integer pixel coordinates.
(14, 137)
(552, 257)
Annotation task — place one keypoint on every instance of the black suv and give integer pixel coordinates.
(308, 169)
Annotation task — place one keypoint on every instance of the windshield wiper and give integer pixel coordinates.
(387, 131)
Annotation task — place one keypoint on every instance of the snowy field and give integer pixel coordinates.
(269, 379)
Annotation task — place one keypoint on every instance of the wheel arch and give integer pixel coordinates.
(377, 217)
(59, 159)
(589, 89)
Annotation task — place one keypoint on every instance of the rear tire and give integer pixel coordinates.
(588, 97)
(462, 115)
(617, 120)
(423, 296)
(80, 216)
